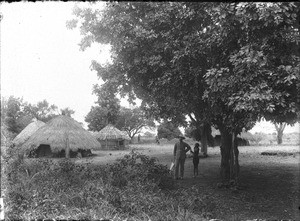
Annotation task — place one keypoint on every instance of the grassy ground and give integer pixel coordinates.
(271, 183)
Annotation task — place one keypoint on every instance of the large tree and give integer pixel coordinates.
(155, 55)
(106, 110)
(168, 130)
(42, 111)
(133, 120)
(226, 64)
(13, 115)
(191, 131)
(257, 71)
(279, 129)
(16, 114)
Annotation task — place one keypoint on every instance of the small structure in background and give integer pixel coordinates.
(61, 137)
(157, 139)
(112, 138)
(30, 129)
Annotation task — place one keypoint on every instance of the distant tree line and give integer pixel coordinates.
(107, 110)
(16, 114)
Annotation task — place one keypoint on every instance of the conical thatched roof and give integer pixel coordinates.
(55, 133)
(110, 133)
(24, 135)
(126, 137)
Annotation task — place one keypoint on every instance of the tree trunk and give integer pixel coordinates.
(204, 141)
(230, 167)
(279, 128)
(67, 147)
(225, 155)
(236, 162)
(279, 137)
(232, 157)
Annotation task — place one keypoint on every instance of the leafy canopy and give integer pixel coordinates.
(168, 130)
(16, 114)
(106, 110)
(224, 63)
(133, 120)
(258, 78)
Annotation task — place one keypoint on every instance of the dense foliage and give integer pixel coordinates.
(221, 64)
(106, 109)
(168, 130)
(192, 132)
(16, 114)
(135, 187)
(13, 116)
(133, 120)
(109, 111)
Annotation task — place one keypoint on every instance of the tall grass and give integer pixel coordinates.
(135, 187)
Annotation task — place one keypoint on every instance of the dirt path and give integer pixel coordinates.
(271, 183)
(271, 187)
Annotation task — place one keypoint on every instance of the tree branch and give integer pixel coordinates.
(192, 119)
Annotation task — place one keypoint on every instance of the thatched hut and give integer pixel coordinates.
(61, 136)
(30, 129)
(111, 138)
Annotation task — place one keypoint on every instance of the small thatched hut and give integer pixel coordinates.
(61, 136)
(111, 138)
(30, 129)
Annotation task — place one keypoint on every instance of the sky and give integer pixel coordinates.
(41, 59)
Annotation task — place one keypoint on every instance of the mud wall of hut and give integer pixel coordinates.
(112, 144)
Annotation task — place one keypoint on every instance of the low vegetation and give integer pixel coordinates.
(134, 187)
(279, 153)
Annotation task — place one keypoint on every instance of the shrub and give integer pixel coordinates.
(135, 187)
(279, 153)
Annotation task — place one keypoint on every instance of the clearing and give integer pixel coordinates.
(270, 184)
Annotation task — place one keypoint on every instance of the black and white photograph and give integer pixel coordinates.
(150, 111)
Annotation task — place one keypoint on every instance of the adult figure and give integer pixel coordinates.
(180, 150)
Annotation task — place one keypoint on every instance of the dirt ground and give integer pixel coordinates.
(271, 184)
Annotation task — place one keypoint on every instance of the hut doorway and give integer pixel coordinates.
(121, 143)
(42, 151)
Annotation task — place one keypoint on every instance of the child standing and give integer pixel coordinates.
(196, 158)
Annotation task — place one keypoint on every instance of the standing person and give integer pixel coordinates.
(196, 158)
(180, 150)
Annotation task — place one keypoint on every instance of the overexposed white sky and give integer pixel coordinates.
(40, 58)
(269, 128)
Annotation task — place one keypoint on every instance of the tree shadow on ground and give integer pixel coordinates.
(270, 188)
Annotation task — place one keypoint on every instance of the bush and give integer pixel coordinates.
(279, 153)
(135, 187)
